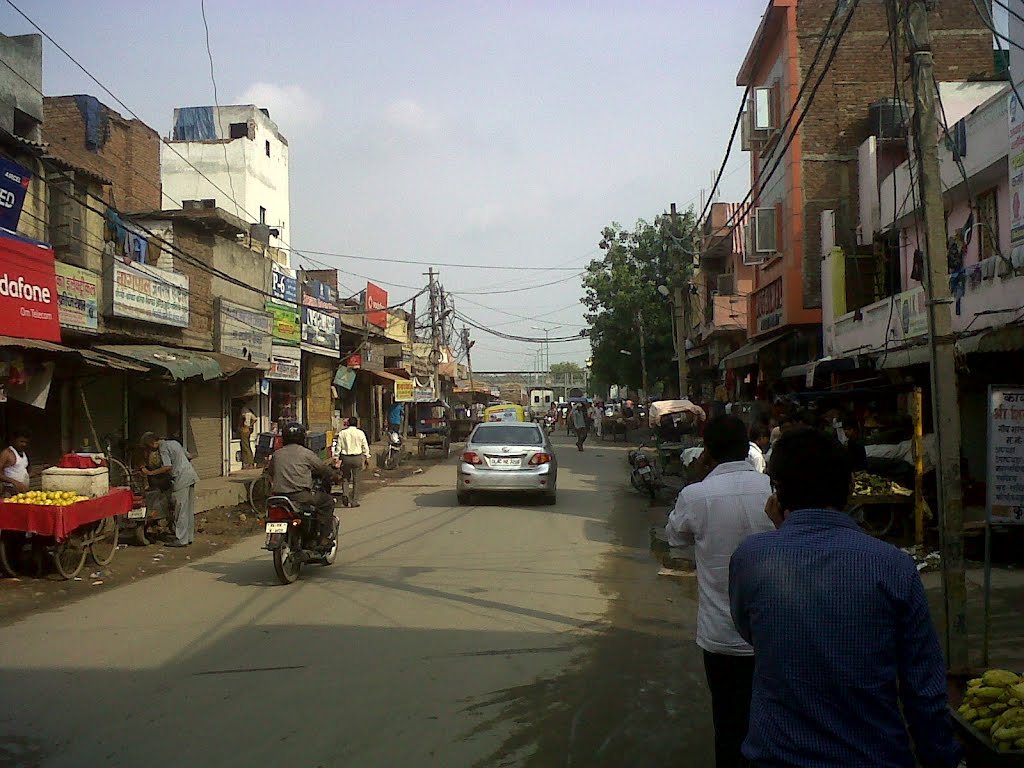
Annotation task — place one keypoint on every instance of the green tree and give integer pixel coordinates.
(560, 370)
(622, 298)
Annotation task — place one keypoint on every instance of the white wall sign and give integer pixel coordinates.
(141, 292)
(244, 332)
(285, 364)
(1006, 455)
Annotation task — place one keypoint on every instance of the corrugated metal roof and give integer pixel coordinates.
(180, 363)
(90, 356)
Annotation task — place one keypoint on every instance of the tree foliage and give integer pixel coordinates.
(566, 369)
(622, 296)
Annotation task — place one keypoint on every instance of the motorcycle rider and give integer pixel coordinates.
(292, 469)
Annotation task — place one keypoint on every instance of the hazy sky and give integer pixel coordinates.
(486, 133)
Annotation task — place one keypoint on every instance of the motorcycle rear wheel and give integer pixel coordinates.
(332, 555)
(286, 564)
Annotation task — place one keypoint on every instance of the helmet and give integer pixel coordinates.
(293, 432)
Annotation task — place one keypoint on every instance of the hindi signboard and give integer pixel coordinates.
(285, 364)
(1006, 455)
(142, 292)
(405, 391)
(1015, 161)
(244, 332)
(77, 295)
(287, 328)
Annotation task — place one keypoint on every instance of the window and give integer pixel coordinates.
(767, 107)
(987, 225)
(238, 130)
(268, 149)
(766, 236)
(263, 215)
(507, 434)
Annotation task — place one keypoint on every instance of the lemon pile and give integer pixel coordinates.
(47, 498)
(993, 705)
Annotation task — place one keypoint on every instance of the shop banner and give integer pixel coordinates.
(244, 333)
(376, 303)
(423, 394)
(14, 181)
(911, 313)
(285, 364)
(404, 391)
(320, 333)
(78, 294)
(284, 285)
(345, 377)
(142, 292)
(287, 327)
(1006, 455)
(1015, 159)
(29, 306)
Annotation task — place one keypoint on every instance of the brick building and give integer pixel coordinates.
(818, 170)
(90, 135)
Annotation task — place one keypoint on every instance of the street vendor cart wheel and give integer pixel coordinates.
(69, 556)
(103, 540)
(421, 449)
(876, 519)
(447, 447)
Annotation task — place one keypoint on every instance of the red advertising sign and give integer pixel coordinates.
(28, 289)
(354, 361)
(376, 303)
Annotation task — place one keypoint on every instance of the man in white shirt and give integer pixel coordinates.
(759, 442)
(716, 515)
(352, 452)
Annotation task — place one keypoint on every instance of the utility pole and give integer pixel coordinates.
(945, 408)
(468, 345)
(435, 336)
(681, 309)
(643, 353)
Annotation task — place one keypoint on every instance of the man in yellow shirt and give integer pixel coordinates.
(352, 452)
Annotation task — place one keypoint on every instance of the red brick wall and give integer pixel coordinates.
(130, 158)
(862, 73)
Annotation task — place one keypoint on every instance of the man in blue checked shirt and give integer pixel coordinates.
(848, 669)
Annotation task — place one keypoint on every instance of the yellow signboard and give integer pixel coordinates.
(404, 391)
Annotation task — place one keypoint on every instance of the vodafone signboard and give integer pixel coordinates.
(376, 306)
(28, 289)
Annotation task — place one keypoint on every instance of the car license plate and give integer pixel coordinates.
(645, 470)
(277, 527)
(504, 462)
(137, 514)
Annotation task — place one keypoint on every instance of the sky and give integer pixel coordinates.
(471, 133)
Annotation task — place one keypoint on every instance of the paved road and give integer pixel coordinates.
(507, 633)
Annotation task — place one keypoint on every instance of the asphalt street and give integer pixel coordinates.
(505, 633)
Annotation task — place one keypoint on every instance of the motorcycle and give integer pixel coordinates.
(549, 424)
(293, 535)
(642, 475)
(393, 452)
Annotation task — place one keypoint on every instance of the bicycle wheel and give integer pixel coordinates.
(118, 474)
(259, 492)
(104, 540)
(69, 556)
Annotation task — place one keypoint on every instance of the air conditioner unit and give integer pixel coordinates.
(750, 256)
(727, 284)
(766, 234)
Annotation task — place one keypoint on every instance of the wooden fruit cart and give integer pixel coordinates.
(30, 533)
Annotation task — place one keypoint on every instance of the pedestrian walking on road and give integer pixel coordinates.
(716, 515)
(847, 657)
(579, 425)
(178, 464)
(353, 453)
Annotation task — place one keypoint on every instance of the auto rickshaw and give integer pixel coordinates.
(505, 412)
(433, 427)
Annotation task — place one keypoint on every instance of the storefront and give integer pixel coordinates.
(284, 386)
(320, 353)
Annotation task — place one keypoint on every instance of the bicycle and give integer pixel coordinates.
(257, 495)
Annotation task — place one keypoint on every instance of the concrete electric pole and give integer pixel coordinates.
(435, 335)
(945, 408)
(681, 308)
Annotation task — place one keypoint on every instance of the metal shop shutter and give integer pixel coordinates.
(205, 427)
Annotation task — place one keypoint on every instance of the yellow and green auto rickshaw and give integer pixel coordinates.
(505, 412)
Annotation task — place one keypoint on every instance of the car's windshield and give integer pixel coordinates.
(506, 434)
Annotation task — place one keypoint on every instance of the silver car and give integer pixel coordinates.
(507, 456)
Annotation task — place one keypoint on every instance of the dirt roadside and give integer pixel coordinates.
(215, 530)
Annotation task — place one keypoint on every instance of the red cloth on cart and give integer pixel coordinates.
(79, 461)
(60, 521)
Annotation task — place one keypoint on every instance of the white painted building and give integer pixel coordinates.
(234, 155)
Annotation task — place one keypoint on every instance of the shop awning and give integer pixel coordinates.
(1009, 338)
(824, 365)
(180, 363)
(747, 355)
(90, 356)
(903, 358)
(229, 365)
(387, 377)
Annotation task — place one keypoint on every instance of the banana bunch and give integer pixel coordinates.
(46, 498)
(994, 704)
(867, 484)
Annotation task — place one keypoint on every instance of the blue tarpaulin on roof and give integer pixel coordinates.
(194, 124)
